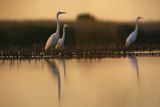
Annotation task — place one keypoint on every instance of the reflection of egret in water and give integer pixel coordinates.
(64, 66)
(54, 69)
(134, 63)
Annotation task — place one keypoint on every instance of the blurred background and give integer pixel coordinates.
(29, 23)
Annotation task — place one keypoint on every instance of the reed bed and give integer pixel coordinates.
(74, 52)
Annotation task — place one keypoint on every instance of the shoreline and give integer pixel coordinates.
(78, 55)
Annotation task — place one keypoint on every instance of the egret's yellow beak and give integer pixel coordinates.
(63, 12)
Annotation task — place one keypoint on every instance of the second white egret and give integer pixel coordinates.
(60, 43)
(132, 37)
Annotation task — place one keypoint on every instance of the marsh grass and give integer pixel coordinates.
(27, 38)
(80, 33)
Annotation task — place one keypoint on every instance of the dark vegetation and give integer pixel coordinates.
(82, 33)
(86, 17)
(85, 37)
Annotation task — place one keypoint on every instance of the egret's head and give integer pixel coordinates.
(59, 12)
(139, 18)
(65, 26)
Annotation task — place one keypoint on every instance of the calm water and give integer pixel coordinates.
(120, 82)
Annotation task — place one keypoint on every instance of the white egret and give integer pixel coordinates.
(53, 39)
(132, 37)
(60, 43)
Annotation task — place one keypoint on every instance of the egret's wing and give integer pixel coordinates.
(131, 38)
(48, 43)
(59, 44)
(52, 40)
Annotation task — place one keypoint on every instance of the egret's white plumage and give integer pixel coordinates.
(53, 39)
(60, 43)
(132, 37)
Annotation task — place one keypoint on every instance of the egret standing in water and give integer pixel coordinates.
(60, 43)
(132, 37)
(53, 39)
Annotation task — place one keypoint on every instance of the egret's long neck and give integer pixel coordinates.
(64, 33)
(137, 26)
(58, 25)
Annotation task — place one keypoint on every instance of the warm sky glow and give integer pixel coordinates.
(118, 10)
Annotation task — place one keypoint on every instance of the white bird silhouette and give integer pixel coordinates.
(132, 37)
(60, 43)
(53, 39)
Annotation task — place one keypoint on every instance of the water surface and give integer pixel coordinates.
(120, 82)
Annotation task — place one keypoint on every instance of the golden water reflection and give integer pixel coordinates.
(80, 83)
(134, 63)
